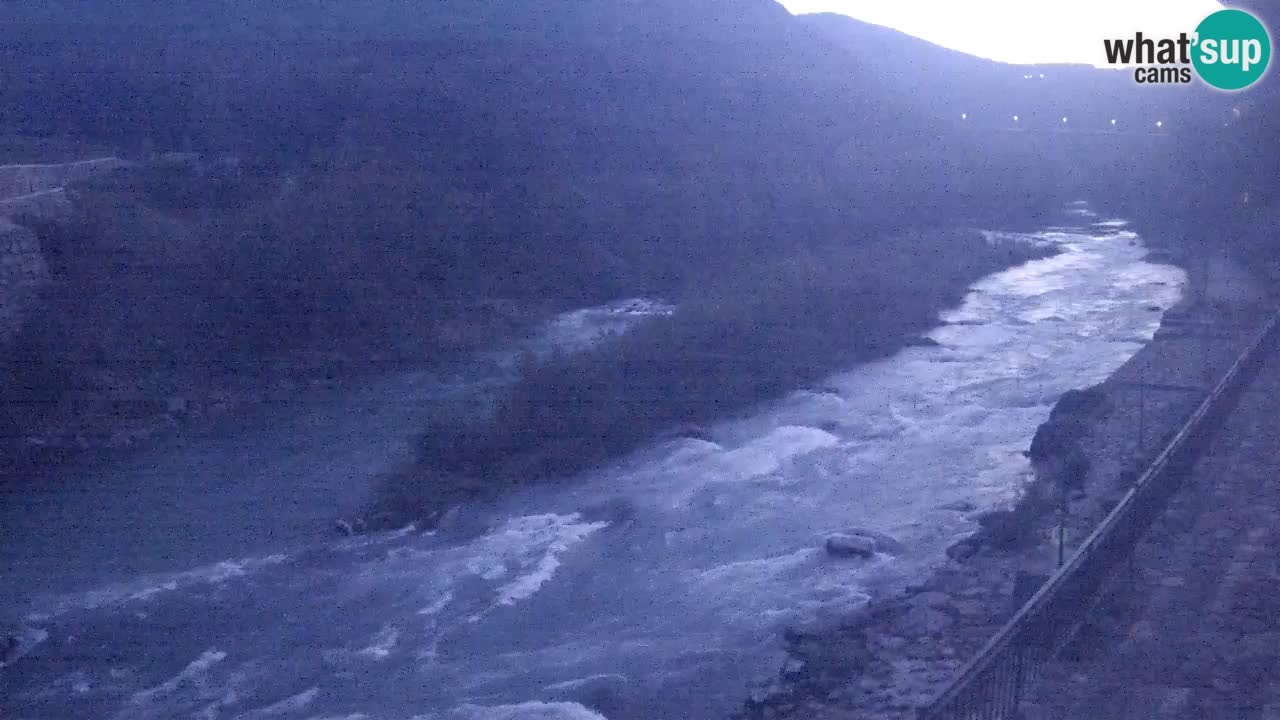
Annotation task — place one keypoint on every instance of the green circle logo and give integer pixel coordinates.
(1232, 51)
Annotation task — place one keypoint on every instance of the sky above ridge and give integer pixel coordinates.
(1023, 31)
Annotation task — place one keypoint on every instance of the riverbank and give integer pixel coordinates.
(900, 651)
(670, 572)
(776, 330)
(182, 327)
(1188, 630)
(100, 426)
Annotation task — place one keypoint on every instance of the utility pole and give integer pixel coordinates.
(1062, 520)
(1205, 377)
(1142, 412)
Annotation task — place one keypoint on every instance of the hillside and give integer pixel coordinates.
(372, 179)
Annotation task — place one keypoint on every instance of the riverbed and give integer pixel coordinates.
(200, 580)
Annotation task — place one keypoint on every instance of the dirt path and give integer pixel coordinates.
(1193, 632)
(899, 654)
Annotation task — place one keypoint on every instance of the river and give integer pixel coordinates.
(200, 580)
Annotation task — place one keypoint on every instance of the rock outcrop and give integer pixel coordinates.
(861, 543)
(1067, 423)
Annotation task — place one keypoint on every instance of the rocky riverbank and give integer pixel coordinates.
(899, 652)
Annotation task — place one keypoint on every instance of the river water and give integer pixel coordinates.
(199, 581)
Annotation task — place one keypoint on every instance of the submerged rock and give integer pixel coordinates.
(606, 692)
(691, 431)
(615, 510)
(352, 526)
(964, 549)
(921, 341)
(844, 545)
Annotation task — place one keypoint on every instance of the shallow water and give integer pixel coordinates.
(652, 589)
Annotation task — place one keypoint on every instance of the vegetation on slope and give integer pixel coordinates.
(748, 339)
(377, 176)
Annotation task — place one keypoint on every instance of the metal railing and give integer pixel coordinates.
(992, 684)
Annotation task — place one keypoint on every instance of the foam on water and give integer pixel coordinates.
(287, 706)
(381, 645)
(148, 588)
(580, 329)
(516, 559)
(524, 711)
(192, 679)
(526, 550)
(707, 547)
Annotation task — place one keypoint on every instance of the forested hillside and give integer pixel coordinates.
(385, 179)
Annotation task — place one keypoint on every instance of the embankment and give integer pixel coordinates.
(899, 652)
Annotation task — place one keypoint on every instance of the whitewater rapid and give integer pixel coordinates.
(653, 588)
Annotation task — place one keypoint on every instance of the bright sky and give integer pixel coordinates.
(1023, 31)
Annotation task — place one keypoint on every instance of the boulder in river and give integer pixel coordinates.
(959, 506)
(882, 543)
(607, 692)
(845, 545)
